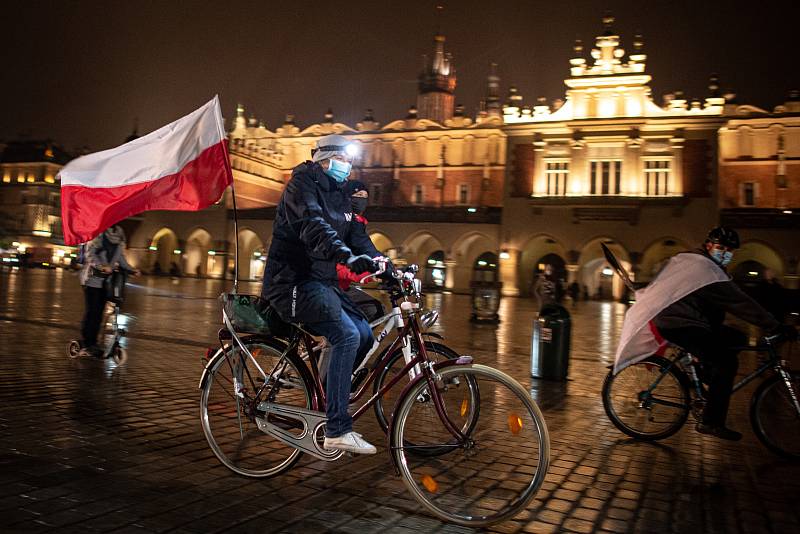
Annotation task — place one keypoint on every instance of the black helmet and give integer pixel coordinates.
(722, 235)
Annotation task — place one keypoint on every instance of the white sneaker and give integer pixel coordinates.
(350, 442)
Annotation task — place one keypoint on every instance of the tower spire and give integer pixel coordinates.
(437, 81)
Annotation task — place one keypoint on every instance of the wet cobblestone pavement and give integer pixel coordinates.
(88, 446)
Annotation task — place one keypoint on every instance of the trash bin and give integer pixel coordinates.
(550, 343)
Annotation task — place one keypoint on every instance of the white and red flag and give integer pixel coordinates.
(181, 166)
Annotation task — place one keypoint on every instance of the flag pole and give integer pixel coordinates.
(235, 223)
(233, 199)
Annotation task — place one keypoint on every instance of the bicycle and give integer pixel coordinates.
(262, 406)
(652, 399)
(115, 329)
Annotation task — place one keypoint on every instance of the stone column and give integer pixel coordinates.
(509, 271)
(450, 274)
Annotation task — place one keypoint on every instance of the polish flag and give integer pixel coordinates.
(183, 166)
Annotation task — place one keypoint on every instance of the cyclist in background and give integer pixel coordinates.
(103, 254)
(694, 323)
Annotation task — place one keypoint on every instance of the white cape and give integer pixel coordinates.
(685, 273)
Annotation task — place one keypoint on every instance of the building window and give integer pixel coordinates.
(418, 194)
(749, 193)
(463, 193)
(556, 174)
(656, 175)
(375, 194)
(606, 177)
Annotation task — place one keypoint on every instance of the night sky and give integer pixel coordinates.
(82, 72)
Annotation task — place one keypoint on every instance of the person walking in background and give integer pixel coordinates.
(545, 288)
(574, 290)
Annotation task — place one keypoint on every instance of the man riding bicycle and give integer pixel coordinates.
(312, 233)
(694, 322)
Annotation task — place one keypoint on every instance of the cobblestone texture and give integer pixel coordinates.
(88, 447)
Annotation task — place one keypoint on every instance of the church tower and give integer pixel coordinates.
(437, 84)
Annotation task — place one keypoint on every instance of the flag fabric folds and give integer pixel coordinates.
(684, 273)
(181, 166)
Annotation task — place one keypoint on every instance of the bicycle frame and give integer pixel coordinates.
(311, 419)
(772, 362)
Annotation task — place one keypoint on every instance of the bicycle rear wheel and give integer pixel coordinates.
(775, 420)
(642, 411)
(228, 419)
(490, 473)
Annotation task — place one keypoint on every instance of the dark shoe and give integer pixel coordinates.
(718, 431)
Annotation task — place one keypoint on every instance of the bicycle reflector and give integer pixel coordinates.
(514, 423)
(429, 483)
(464, 406)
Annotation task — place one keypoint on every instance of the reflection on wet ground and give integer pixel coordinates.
(87, 445)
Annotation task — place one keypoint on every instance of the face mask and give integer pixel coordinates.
(338, 170)
(723, 257)
(359, 204)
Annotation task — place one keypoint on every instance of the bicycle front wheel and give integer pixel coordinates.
(436, 352)
(494, 469)
(228, 411)
(648, 400)
(774, 417)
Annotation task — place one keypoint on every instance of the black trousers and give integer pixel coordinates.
(716, 352)
(95, 298)
(369, 306)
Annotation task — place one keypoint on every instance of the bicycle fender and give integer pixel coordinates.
(209, 364)
(463, 360)
(433, 334)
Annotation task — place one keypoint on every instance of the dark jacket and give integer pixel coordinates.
(706, 307)
(312, 232)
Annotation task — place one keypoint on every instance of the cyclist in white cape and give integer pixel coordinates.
(686, 305)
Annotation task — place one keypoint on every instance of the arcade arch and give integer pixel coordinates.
(384, 244)
(656, 255)
(466, 251)
(252, 255)
(196, 260)
(595, 274)
(162, 251)
(756, 257)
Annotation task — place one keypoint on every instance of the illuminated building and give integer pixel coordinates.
(30, 209)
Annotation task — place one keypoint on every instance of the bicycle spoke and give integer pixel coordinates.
(495, 469)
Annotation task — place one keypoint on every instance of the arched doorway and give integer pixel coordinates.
(419, 247)
(657, 255)
(383, 244)
(196, 257)
(761, 254)
(467, 253)
(435, 271)
(252, 255)
(164, 252)
(485, 268)
(596, 276)
(749, 271)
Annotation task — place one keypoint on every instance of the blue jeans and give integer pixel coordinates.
(349, 336)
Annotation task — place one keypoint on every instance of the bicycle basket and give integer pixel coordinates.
(247, 313)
